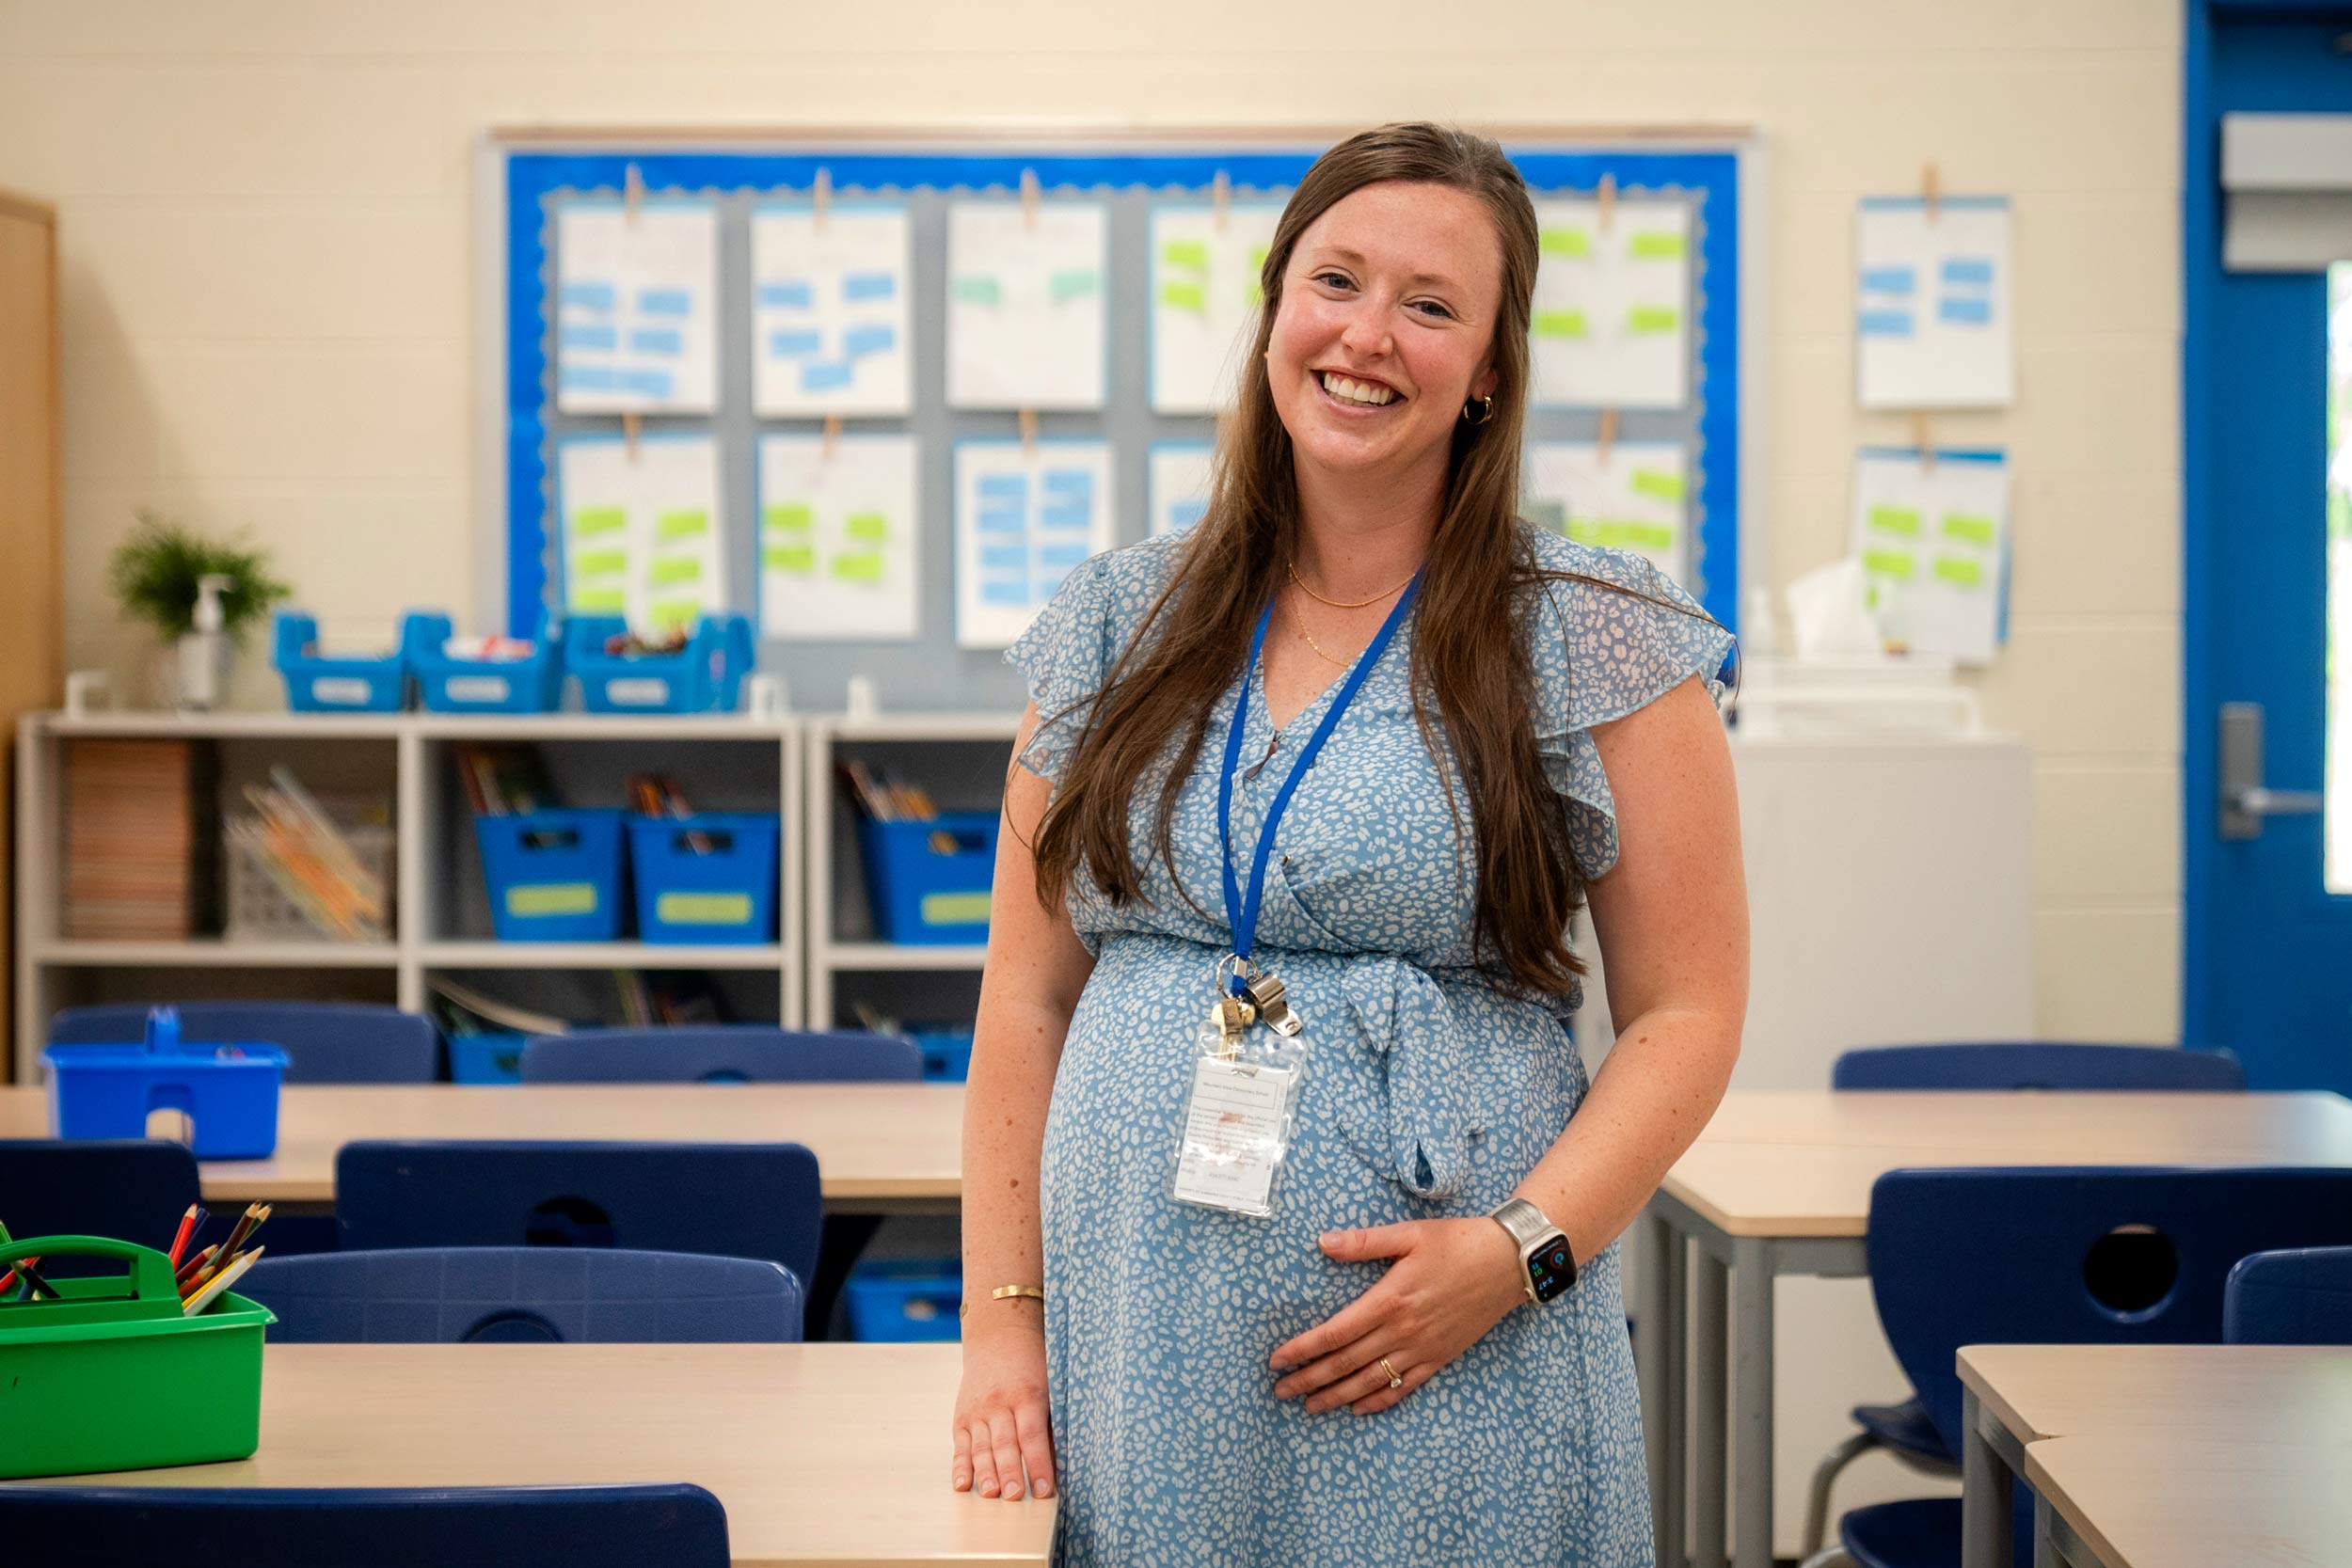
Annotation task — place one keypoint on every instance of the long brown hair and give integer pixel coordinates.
(1194, 639)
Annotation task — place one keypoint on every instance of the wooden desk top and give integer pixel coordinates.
(2230, 1393)
(873, 1142)
(823, 1454)
(1801, 1163)
(2186, 1499)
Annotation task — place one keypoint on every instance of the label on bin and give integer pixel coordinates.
(954, 908)
(637, 691)
(477, 688)
(704, 908)
(340, 689)
(553, 898)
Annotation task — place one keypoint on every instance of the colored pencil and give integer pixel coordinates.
(187, 1229)
(33, 1280)
(219, 1282)
(194, 1266)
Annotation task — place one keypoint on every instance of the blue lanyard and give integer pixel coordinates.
(1241, 912)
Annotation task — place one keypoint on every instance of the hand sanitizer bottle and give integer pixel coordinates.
(204, 651)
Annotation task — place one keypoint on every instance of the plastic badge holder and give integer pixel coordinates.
(447, 684)
(322, 685)
(904, 1302)
(113, 1377)
(229, 1090)
(491, 1057)
(723, 892)
(707, 676)
(553, 876)
(928, 881)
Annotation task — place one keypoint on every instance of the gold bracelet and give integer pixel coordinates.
(1004, 1292)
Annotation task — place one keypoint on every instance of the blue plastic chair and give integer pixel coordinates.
(2037, 1065)
(453, 1295)
(2080, 1255)
(127, 1189)
(325, 1042)
(2300, 1296)
(748, 1054)
(674, 1523)
(730, 1200)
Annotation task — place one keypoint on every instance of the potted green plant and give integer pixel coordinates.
(202, 596)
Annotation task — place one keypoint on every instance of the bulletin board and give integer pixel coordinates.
(532, 180)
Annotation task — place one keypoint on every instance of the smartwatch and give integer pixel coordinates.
(1543, 1249)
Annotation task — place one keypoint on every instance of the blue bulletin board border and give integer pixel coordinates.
(532, 177)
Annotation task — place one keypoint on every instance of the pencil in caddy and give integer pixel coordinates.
(616, 675)
(113, 1375)
(228, 1089)
(485, 674)
(334, 683)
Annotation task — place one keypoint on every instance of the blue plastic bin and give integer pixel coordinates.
(904, 1301)
(479, 685)
(725, 892)
(947, 1054)
(229, 1090)
(707, 676)
(317, 684)
(553, 876)
(928, 881)
(492, 1058)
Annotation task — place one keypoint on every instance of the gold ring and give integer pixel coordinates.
(1394, 1381)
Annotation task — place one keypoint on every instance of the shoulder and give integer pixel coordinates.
(1129, 579)
(1607, 632)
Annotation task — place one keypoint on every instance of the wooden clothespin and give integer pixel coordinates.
(1608, 199)
(1029, 433)
(1931, 188)
(1221, 199)
(822, 196)
(1608, 436)
(632, 193)
(628, 434)
(1028, 198)
(832, 436)
(1923, 438)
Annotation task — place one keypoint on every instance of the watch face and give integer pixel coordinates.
(1552, 1269)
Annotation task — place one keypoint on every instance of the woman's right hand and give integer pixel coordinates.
(1002, 1421)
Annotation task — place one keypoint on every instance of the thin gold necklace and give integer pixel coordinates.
(1343, 603)
(1300, 626)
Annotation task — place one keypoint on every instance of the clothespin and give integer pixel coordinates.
(1923, 438)
(1608, 194)
(1608, 435)
(632, 193)
(628, 434)
(1931, 190)
(1222, 199)
(1028, 198)
(1029, 433)
(822, 196)
(832, 436)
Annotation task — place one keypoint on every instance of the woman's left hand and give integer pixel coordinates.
(1451, 1281)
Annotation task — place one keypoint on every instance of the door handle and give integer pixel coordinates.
(2246, 801)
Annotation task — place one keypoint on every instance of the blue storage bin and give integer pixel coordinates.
(727, 892)
(318, 685)
(479, 685)
(553, 876)
(705, 676)
(492, 1058)
(928, 881)
(947, 1054)
(904, 1301)
(229, 1090)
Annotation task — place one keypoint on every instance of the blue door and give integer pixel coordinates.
(2266, 788)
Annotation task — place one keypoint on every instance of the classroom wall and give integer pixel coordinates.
(267, 243)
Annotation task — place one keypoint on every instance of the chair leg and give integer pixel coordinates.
(842, 1240)
(1817, 1499)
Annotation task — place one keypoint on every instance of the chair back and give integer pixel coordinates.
(731, 1200)
(2037, 1065)
(325, 1042)
(747, 1054)
(674, 1523)
(2073, 1254)
(2297, 1296)
(126, 1189)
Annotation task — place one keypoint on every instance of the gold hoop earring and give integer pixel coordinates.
(1486, 410)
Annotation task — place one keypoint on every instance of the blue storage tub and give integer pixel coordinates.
(705, 676)
(928, 881)
(229, 1090)
(320, 685)
(904, 1301)
(491, 1057)
(481, 684)
(725, 892)
(553, 876)
(947, 1054)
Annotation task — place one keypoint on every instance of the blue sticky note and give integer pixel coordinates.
(823, 376)
(790, 346)
(1070, 482)
(1004, 557)
(1005, 487)
(586, 295)
(652, 383)
(1968, 269)
(588, 378)
(664, 302)
(1010, 591)
(1885, 324)
(589, 339)
(1962, 310)
(868, 339)
(1001, 519)
(656, 340)
(1065, 514)
(1888, 280)
(791, 294)
(1063, 556)
(1185, 514)
(868, 285)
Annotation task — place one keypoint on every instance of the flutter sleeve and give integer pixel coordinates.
(1064, 655)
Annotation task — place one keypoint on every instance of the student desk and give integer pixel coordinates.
(881, 1147)
(831, 1454)
(2222, 1440)
(1779, 1184)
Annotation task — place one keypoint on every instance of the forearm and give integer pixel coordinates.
(1017, 1046)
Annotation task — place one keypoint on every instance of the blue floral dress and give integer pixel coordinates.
(1430, 1094)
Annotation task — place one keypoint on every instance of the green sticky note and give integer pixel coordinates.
(704, 908)
(858, 568)
(1653, 317)
(1564, 242)
(675, 613)
(1185, 253)
(1185, 296)
(979, 290)
(1582, 531)
(1659, 483)
(1976, 528)
(686, 524)
(600, 563)
(553, 898)
(1655, 246)
(600, 599)
(1891, 564)
(590, 520)
(792, 520)
(1558, 324)
(1630, 533)
(1903, 521)
(1959, 571)
(666, 573)
(1256, 296)
(866, 524)
(789, 558)
(954, 908)
(1069, 283)
(1257, 254)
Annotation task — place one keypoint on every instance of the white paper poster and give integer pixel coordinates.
(643, 536)
(1024, 305)
(636, 295)
(829, 309)
(1635, 499)
(1205, 297)
(838, 538)
(1611, 327)
(1024, 519)
(1934, 541)
(1178, 483)
(1932, 326)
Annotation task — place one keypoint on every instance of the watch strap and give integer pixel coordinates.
(1527, 1224)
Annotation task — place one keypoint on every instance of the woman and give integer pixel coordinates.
(1336, 1358)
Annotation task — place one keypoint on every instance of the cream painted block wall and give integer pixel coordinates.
(264, 225)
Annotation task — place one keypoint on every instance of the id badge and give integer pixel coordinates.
(1241, 1111)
